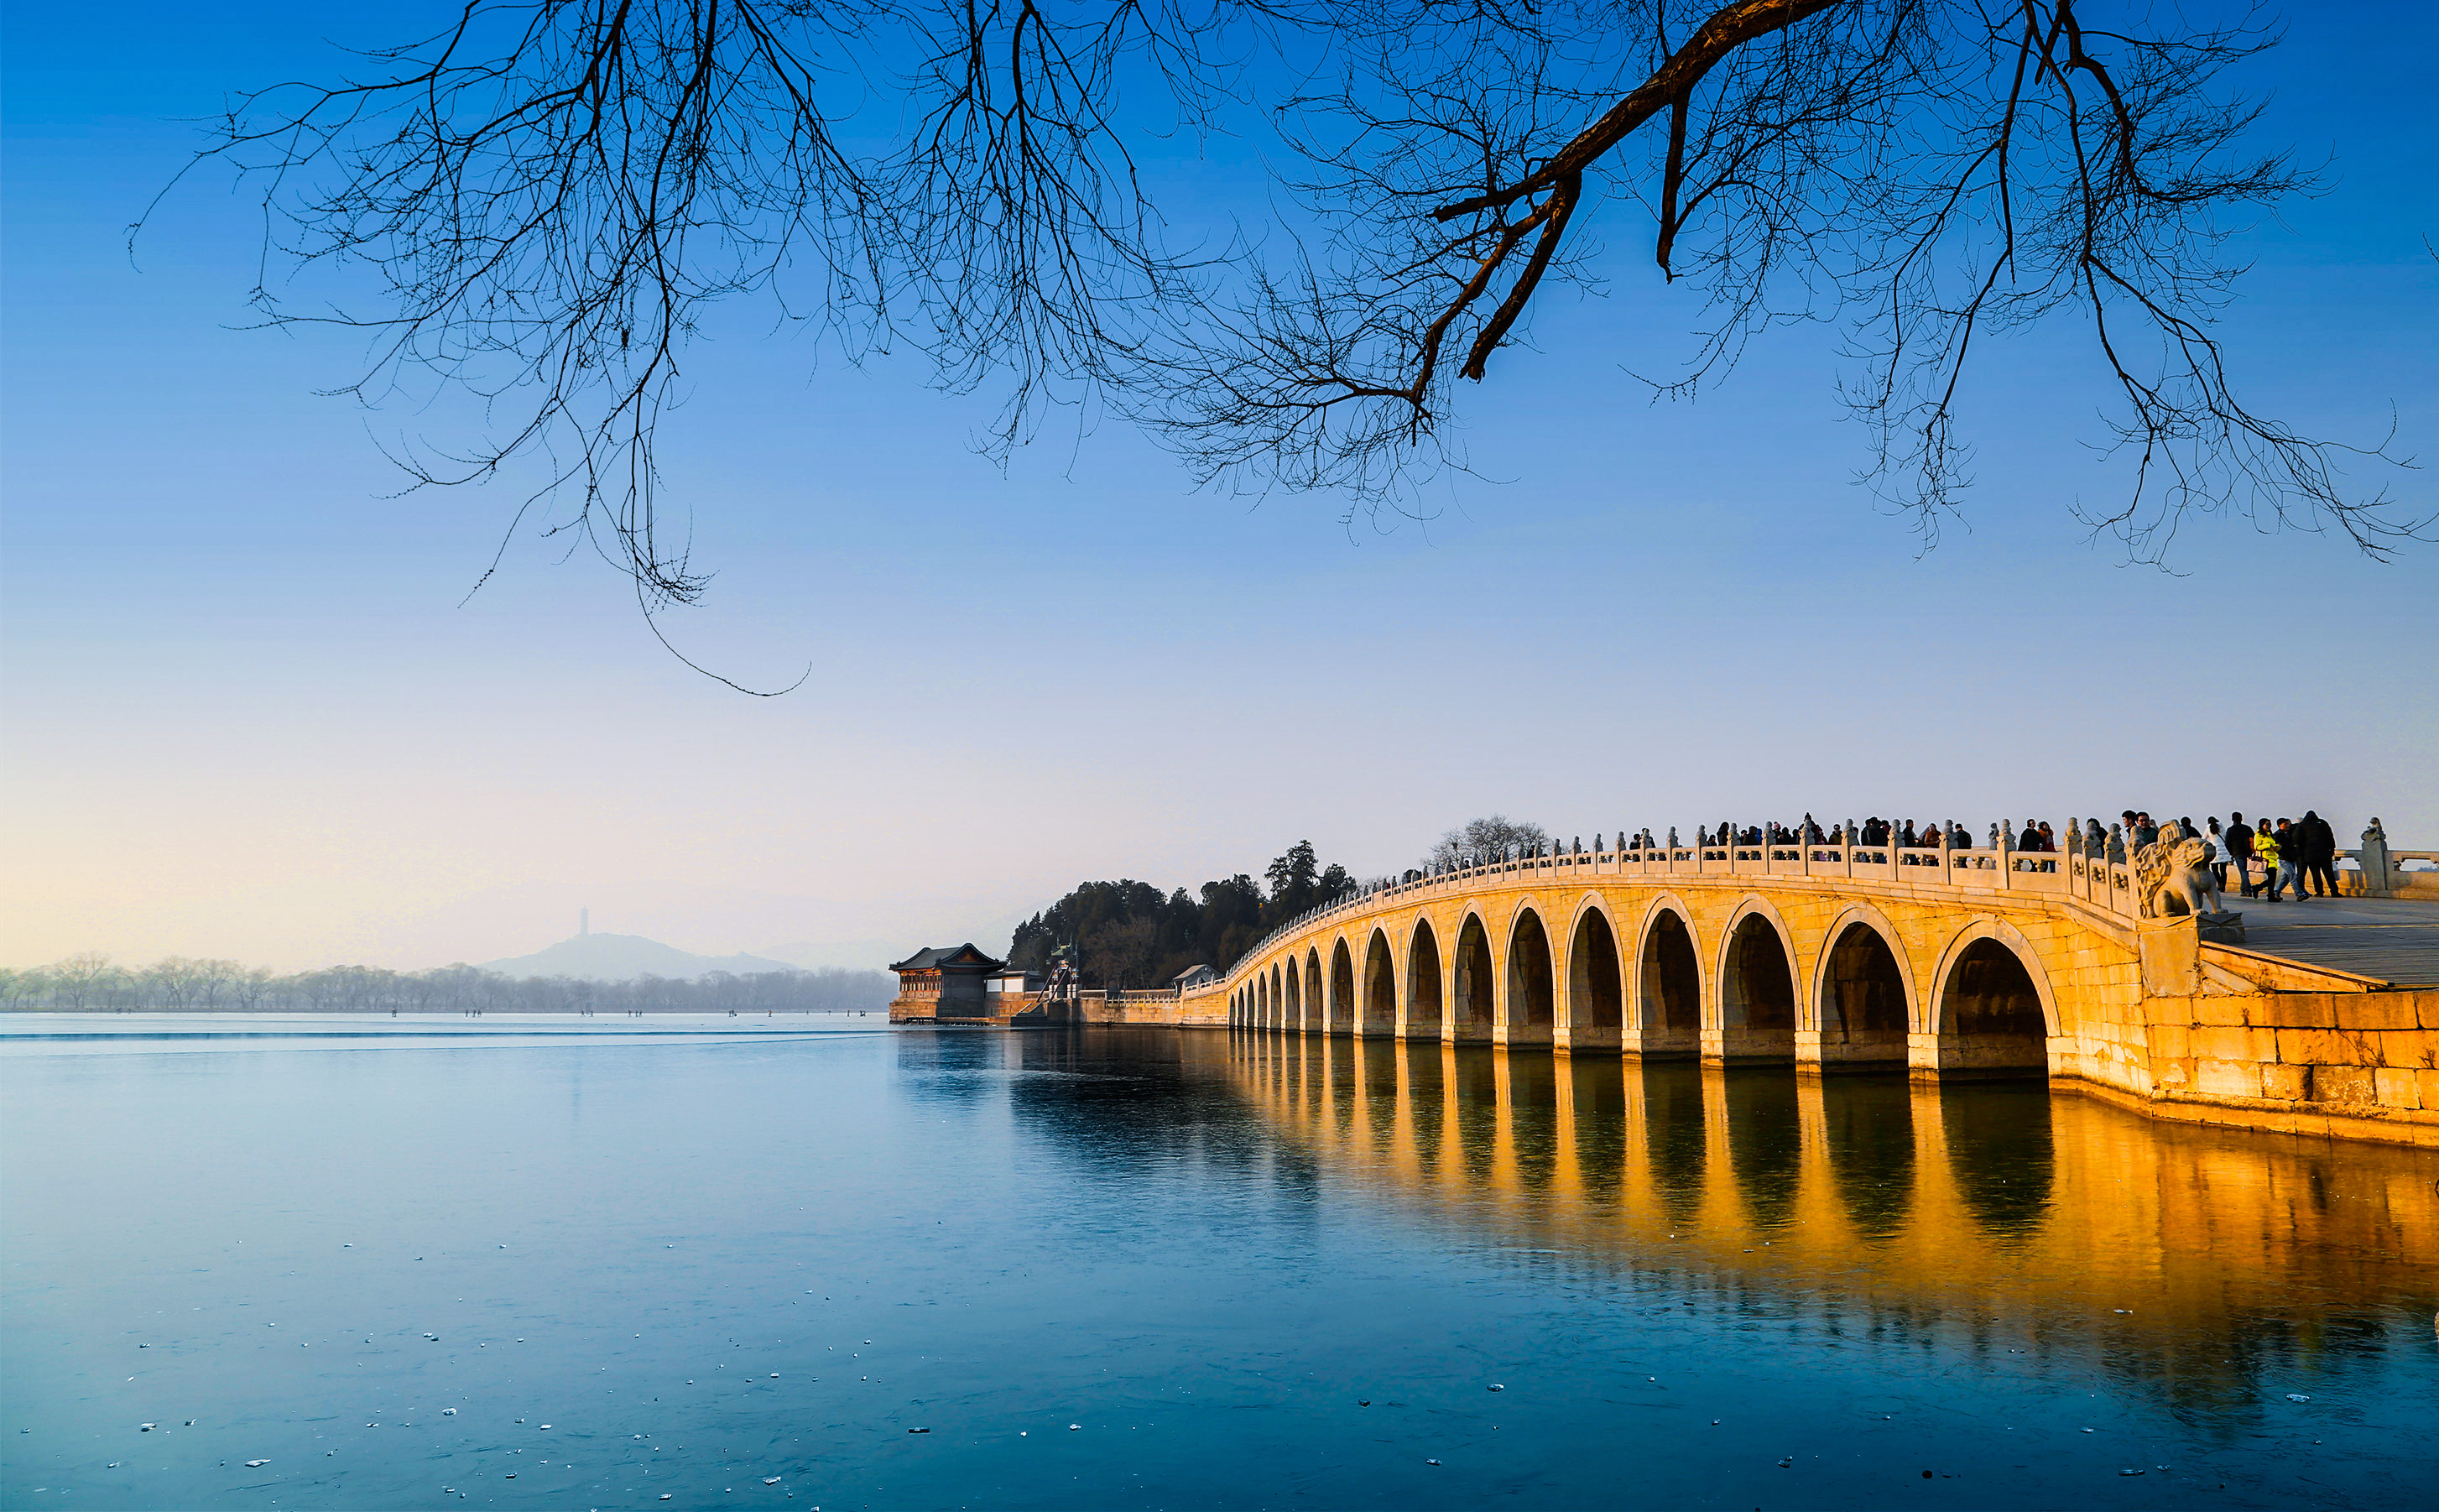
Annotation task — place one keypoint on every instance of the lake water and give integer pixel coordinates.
(733, 1262)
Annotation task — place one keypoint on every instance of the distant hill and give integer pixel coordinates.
(624, 957)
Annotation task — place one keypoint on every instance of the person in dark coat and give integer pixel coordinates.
(2239, 852)
(2320, 854)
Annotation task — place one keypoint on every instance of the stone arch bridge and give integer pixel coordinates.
(1947, 962)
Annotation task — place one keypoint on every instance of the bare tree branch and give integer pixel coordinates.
(551, 197)
(1825, 159)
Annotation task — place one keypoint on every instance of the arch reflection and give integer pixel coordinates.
(1868, 1126)
(1764, 1143)
(1987, 1204)
(1676, 1134)
(2003, 1157)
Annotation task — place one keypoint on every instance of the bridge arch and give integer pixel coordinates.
(1756, 976)
(1668, 980)
(1595, 977)
(1531, 998)
(1341, 988)
(1863, 1000)
(1278, 1016)
(1313, 996)
(1292, 1006)
(1379, 1003)
(1473, 999)
(1422, 1021)
(1994, 1013)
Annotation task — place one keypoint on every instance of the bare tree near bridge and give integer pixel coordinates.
(554, 195)
(1477, 839)
(82, 978)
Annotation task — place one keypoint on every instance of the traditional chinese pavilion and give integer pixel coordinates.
(945, 983)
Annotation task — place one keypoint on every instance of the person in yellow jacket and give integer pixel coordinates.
(2265, 851)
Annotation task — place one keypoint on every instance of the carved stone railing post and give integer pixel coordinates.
(2378, 871)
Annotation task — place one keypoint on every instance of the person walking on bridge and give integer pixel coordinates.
(2239, 852)
(2320, 854)
(2292, 849)
(2268, 846)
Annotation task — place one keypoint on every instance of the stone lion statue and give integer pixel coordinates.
(2172, 876)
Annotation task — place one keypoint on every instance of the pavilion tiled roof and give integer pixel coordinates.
(933, 957)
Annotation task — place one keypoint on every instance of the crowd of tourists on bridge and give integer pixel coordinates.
(2259, 857)
(1903, 835)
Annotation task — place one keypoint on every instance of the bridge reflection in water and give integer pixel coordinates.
(1987, 1204)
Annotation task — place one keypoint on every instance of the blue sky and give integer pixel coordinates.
(247, 713)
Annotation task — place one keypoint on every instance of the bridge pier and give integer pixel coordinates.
(1962, 1057)
(1659, 1044)
(1821, 1052)
(1747, 1047)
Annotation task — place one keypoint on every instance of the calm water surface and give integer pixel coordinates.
(733, 1262)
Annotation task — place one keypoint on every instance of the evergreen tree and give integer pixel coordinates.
(1129, 935)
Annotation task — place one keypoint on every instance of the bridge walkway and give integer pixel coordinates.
(2394, 939)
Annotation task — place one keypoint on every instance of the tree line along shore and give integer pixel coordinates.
(93, 982)
(1127, 934)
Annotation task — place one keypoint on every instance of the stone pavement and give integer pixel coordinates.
(2393, 940)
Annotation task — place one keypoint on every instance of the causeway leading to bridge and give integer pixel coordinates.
(1947, 962)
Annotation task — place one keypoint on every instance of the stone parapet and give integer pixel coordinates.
(1161, 1006)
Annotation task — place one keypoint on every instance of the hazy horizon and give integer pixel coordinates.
(712, 960)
